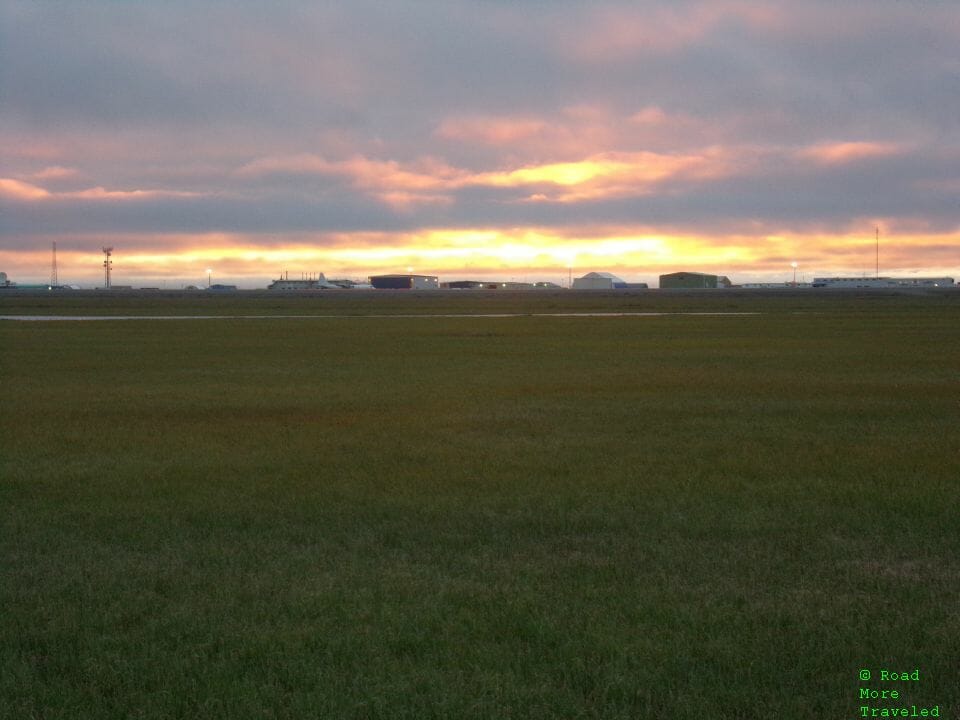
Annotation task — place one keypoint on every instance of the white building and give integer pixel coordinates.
(598, 281)
(317, 283)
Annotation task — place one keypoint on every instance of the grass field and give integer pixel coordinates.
(681, 516)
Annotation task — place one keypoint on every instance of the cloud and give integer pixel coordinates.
(428, 180)
(389, 181)
(18, 190)
(650, 115)
(608, 175)
(489, 130)
(333, 123)
(835, 153)
(55, 172)
(617, 32)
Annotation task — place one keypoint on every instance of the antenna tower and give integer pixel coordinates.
(107, 265)
(54, 279)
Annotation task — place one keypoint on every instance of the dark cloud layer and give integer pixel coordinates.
(295, 117)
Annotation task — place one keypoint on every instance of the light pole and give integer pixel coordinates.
(877, 233)
(209, 276)
(794, 266)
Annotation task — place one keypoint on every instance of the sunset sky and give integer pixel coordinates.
(517, 139)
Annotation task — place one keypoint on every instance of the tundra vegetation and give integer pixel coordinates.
(677, 516)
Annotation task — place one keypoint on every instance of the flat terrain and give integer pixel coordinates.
(400, 302)
(679, 516)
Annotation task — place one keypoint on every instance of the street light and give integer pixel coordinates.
(794, 266)
(209, 275)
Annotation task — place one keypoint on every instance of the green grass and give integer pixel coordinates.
(665, 517)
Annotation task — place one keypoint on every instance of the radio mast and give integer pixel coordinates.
(107, 264)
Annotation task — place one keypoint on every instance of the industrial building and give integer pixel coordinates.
(494, 285)
(309, 283)
(405, 282)
(881, 282)
(604, 281)
(774, 285)
(598, 281)
(693, 280)
(510, 285)
(464, 285)
(347, 284)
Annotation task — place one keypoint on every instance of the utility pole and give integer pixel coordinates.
(877, 233)
(54, 277)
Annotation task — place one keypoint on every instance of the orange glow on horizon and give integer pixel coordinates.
(489, 252)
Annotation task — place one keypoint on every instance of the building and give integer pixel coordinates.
(464, 285)
(317, 283)
(774, 285)
(598, 281)
(346, 284)
(604, 281)
(497, 285)
(693, 280)
(881, 282)
(509, 285)
(405, 282)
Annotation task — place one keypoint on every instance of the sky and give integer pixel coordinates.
(516, 139)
